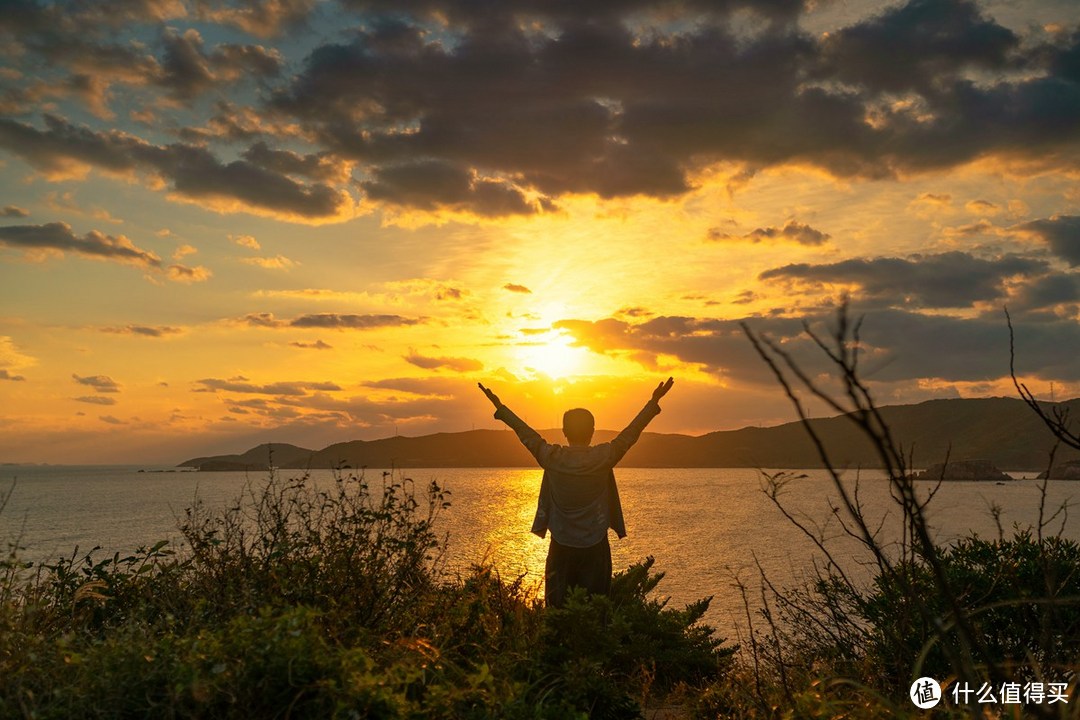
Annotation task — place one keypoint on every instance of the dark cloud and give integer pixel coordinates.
(96, 400)
(188, 71)
(1062, 234)
(351, 322)
(898, 345)
(512, 287)
(500, 108)
(266, 320)
(457, 364)
(241, 385)
(8, 375)
(193, 172)
(111, 420)
(14, 211)
(1047, 292)
(186, 274)
(910, 47)
(320, 166)
(100, 383)
(317, 345)
(792, 231)
(432, 184)
(265, 18)
(59, 236)
(622, 98)
(431, 386)
(946, 280)
(144, 330)
(508, 14)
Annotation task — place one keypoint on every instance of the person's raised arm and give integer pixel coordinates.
(626, 439)
(531, 439)
(490, 396)
(662, 390)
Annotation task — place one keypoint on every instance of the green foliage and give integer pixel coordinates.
(1021, 594)
(851, 646)
(300, 601)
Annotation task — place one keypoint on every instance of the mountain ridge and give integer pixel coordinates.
(1002, 430)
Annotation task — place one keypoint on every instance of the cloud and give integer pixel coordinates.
(630, 100)
(279, 262)
(1047, 292)
(94, 244)
(897, 345)
(111, 420)
(188, 275)
(11, 357)
(100, 383)
(514, 288)
(266, 320)
(187, 71)
(241, 385)
(317, 345)
(14, 211)
(792, 231)
(265, 18)
(1061, 233)
(457, 364)
(351, 322)
(193, 172)
(96, 400)
(8, 375)
(344, 321)
(936, 39)
(319, 166)
(183, 251)
(946, 280)
(499, 110)
(144, 330)
(247, 241)
(65, 202)
(982, 207)
(438, 184)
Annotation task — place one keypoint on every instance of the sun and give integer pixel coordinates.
(554, 356)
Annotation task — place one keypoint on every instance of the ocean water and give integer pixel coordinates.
(709, 529)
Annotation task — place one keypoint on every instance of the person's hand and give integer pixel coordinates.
(662, 389)
(490, 396)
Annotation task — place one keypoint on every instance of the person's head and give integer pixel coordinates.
(577, 426)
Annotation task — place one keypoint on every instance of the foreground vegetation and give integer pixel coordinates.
(326, 602)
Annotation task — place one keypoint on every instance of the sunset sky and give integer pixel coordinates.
(308, 221)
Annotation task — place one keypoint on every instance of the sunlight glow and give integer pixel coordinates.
(553, 356)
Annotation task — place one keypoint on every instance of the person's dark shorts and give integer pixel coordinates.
(569, 567)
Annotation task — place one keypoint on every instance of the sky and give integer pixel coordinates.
(310, 221)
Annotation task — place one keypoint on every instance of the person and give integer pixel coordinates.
(579, 499)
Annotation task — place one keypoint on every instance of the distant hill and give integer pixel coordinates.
(260, 457)
(1001, 430)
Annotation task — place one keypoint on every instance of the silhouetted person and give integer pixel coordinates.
(579, 500)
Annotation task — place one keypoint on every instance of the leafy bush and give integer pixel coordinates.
(1022, 595)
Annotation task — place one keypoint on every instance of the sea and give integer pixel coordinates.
(714, 532)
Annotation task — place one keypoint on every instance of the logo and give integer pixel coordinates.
(925, 693)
